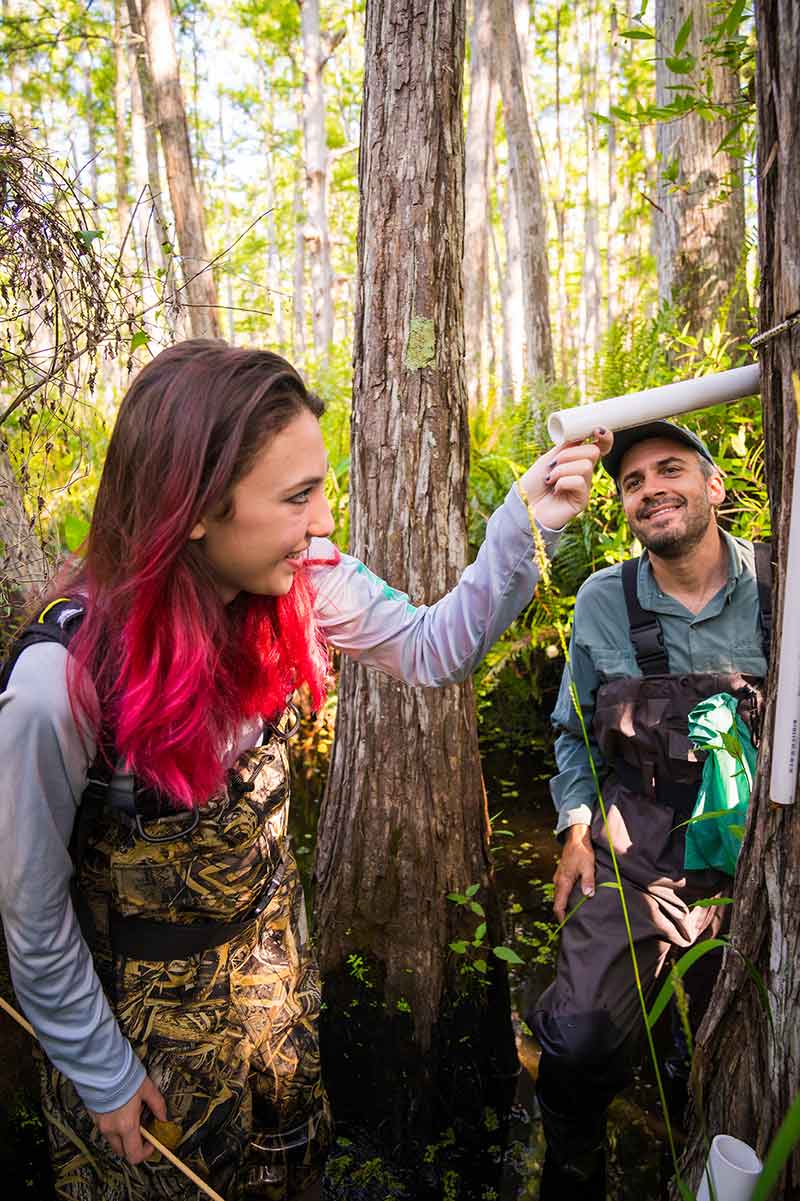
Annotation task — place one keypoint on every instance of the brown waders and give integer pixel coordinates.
(198, 930)
(589, 1021)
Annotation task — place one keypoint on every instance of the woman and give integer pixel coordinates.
(174, 975)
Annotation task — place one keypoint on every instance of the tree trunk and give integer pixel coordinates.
(510, 274)
(199, 292)
(527, 191)
(150, 223)
(23, 567)
(591, 282)
(749, 1076)
(120, 123)
(700, 213)
(404, 821)
(299, 276)
(480, 129)
(612, 248)
(316, 161)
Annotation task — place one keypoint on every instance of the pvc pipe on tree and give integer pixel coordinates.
(637, 408)
(786, 735)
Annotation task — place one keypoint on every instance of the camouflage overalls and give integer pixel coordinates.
(229, 1033)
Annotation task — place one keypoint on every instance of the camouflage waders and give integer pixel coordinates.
(227, 1032)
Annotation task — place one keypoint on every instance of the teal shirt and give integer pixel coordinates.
(725, 636)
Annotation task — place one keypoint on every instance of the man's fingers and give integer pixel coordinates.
(564, 885)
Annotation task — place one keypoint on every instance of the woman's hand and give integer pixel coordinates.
(120, 1127)
(558, 484)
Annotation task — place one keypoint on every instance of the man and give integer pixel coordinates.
(650, 639)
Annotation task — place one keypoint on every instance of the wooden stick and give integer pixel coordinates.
(151, 1138)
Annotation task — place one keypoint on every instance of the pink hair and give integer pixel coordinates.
(159, 665)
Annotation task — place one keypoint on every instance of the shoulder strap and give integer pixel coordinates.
(645, 628)
(57, 622)
(763, 563)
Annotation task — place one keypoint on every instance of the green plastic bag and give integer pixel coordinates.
(714, 835)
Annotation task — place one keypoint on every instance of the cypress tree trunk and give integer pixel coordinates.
(480, 130)
(749, 1076)
(527, 190)
(316, 163)
(700, 212)
(199, 292)
(410, 1046)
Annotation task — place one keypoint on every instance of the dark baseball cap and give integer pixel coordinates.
(625, 439)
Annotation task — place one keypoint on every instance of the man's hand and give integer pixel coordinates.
(120, 1127)
(558, 484)
(576, 863)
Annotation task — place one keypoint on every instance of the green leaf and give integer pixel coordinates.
(683, 34)
(457, 897)
(476, 908)
(140, 338)
(87, 236)
(473, 888)
(780, 1150)
(459, 947)
(480, 966)
(507, 955)
(681, 968)
(480, 933)
(731, 26)
(638, 35)
(75, 531)
(620, 113)
(709, 902)
(680, 66)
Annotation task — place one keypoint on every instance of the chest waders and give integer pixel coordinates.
(589, 1021)
(197, 926)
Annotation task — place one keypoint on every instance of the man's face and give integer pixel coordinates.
(668, 501)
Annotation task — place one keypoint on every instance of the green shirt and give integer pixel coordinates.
(724, 637)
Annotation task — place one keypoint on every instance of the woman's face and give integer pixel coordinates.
(276, 509)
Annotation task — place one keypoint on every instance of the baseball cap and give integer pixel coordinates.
(625, 439)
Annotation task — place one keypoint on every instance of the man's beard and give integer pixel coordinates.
(675, 542)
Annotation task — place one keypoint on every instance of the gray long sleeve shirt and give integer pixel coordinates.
(45, 762)
(725, 636)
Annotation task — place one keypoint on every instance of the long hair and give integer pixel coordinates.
(160, 664)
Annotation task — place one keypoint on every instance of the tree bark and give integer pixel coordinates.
(23, 567)
(700, 215)
(150, 223)
(513, 373)
(748, 1076)
(316, 161)
(120, 125)
(480, 129)
(199, 291)
(299, 276)
(527, 190)
(590, 299)
(404, 819)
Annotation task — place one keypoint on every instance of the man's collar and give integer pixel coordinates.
(651, 596)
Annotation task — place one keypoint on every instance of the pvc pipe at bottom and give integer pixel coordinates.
(734, 1168)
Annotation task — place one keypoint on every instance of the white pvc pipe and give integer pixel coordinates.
(786, 735)
(637, 408)
(734, 1168)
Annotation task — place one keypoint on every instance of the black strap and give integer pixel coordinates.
(57, 622)
(645, 628)
(763, 562)
(159, 942)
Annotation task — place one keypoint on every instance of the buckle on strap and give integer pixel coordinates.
(192, 824)
(283, 735)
